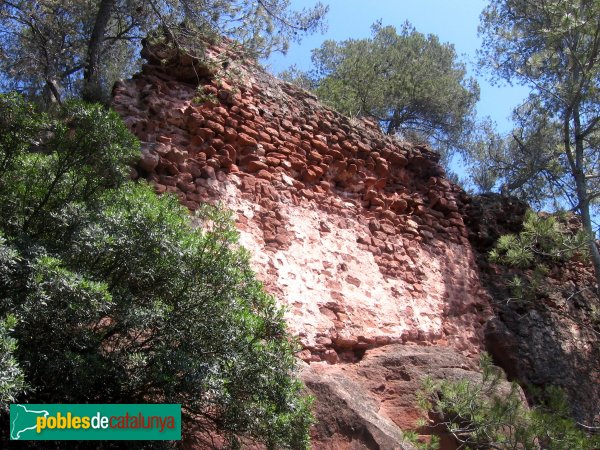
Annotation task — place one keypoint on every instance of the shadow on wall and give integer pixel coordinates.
(550, 342)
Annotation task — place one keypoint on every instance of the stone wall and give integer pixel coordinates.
(360, 236)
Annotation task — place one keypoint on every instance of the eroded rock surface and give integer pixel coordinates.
(366, 405)
(553, 340)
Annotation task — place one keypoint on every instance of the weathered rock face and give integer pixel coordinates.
(553, 340)
(368, 404)
(359, 235)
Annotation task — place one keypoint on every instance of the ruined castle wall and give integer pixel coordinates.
(359, 235)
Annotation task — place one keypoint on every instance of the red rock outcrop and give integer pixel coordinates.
(367, 405)
(359, 235)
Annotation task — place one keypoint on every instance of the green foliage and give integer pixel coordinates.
(491, 414)
(18, 128)
(297, 77)
(413, 438)
(46, 44)
(412, 84)
(543, 240)
(203, 97)
(528, 163)
(119, 297)
(12, 381)
(543, 42)
(552, 155)
(83, 151)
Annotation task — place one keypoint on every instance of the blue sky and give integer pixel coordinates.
(454, 21)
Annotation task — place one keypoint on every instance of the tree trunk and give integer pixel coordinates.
(92, 90)
(52, 93)
(586, 220)
(583, 196)
(394, 123)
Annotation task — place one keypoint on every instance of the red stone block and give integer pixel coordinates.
(205, 133)
(246, 114)
(217, 143)
(148, 161)
(256, 165)
(377, 203)
(272, 131)
(297, 163)
(399, 205)
(263, 136)
(230, 135)
(271, 161)
(221, 111)
(160, 188)
(216, 127)
(231, 122)
(209, 89)
(309, 175)
(307, 193)
(208, 172)
(319, 145)
(245, 140)
(248, 130)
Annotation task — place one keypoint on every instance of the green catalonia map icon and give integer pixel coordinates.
(23, 421)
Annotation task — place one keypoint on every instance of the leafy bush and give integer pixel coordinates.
(118, 297)
(487, 415)
(12, 382)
